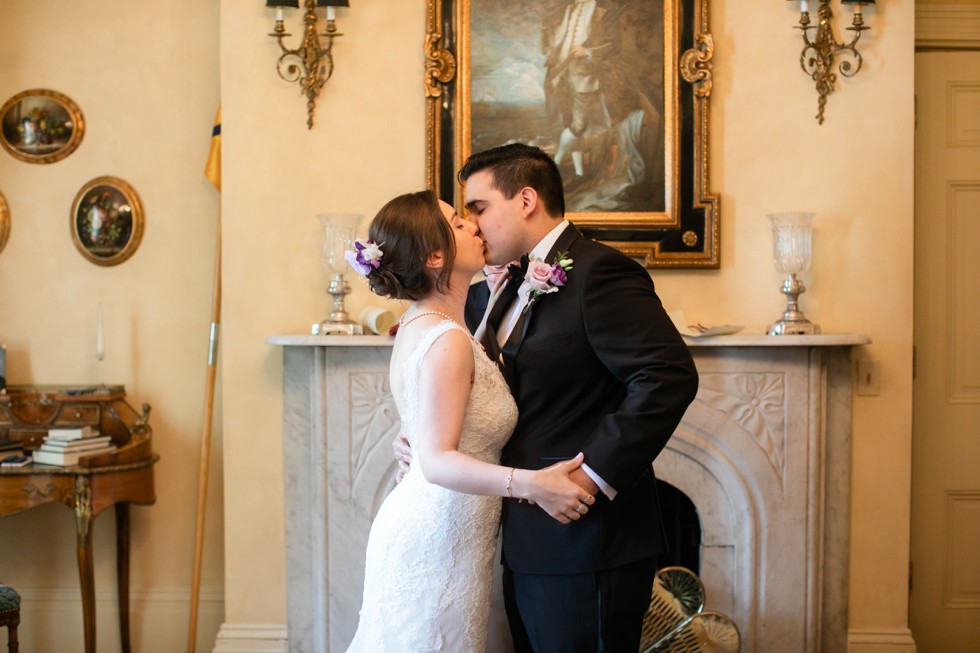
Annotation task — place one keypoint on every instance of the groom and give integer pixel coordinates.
(595, 366)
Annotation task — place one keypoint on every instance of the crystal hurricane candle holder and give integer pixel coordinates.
(338, 235)
(791, 236)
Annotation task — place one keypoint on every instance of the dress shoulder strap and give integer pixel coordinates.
(433, 334)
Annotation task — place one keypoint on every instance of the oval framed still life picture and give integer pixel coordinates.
(41, 126)
(107, 221)
(4, 222)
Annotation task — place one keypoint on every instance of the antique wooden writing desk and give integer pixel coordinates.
(117, 479)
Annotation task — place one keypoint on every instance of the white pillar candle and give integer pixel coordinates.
(804, 6)
(99, 335)
(279, 14)
(330, 14)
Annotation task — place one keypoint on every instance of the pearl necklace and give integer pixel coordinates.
(402, 322)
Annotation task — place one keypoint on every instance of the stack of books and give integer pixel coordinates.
(9, 445)
(63, 447)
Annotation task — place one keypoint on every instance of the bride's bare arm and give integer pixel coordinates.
(444, 391)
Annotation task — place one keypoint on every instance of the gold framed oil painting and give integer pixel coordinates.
(107, 221)
(616, 91)
(4, 222)
(41, 126)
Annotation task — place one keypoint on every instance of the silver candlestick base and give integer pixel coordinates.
(794, 322)
(327, 328)
(339, 322)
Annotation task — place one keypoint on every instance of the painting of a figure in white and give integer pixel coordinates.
(583, 80)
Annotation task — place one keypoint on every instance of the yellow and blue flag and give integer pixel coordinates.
(212, 170)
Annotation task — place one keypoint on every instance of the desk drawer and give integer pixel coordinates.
(77, 415)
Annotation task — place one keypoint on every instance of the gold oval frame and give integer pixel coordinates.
(4, 222)
(43, 152)
(114, 200)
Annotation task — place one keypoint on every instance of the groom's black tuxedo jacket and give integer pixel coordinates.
(601, 369)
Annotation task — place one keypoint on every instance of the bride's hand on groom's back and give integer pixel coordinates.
(403, 455)
(554, 491)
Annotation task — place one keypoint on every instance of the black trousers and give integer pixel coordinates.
(596, 612)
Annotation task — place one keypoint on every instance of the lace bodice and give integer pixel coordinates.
(429, 555)
(491, 413)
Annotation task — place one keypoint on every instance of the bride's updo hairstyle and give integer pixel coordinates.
(409, 229)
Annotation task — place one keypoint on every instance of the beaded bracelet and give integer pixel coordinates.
(510, 477)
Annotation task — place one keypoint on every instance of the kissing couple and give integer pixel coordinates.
(545, 421)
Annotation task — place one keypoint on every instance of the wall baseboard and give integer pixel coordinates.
(896, 640)
(252, 638)
(51, 620)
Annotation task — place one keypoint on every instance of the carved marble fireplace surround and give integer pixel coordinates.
(763, 453)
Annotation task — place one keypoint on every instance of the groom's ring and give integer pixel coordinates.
(579, 508)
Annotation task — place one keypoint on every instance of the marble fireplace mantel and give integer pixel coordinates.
(763, 453)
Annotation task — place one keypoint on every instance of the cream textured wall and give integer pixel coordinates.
(366, 146)
(149, 94)
(146, 78)
(768, 153)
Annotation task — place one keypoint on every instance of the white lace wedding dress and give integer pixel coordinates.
(431, 550)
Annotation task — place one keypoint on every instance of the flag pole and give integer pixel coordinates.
(212, 171)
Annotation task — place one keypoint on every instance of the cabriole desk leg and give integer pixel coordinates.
(122, 571)
(86, 572)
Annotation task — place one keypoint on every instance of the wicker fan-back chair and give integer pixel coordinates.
(676, 622)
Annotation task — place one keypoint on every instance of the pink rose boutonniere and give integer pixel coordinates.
(546, 278)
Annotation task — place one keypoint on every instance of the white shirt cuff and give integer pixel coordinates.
(607, 489)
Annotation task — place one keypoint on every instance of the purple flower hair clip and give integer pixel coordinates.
(366, 258)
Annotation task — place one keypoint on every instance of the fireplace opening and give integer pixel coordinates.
(682, 527)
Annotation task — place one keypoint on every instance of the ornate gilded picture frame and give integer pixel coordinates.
(41, 126)
(4, 222)
(616, 91)
(107, 221)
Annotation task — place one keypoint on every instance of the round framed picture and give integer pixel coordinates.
(41, 126)
(107, 221)
(4, 222)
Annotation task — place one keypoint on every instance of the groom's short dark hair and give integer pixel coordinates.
(515, 166)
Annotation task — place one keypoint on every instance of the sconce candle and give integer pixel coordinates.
(315, 60)
(99, 335)
(822, 53)
(859, 3)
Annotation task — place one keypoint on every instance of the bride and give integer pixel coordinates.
(430, 552)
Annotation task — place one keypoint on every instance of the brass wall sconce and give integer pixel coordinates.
(315, 60)
(819, 54)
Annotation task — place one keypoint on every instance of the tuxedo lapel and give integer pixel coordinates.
(512, 347)
(562, 244)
